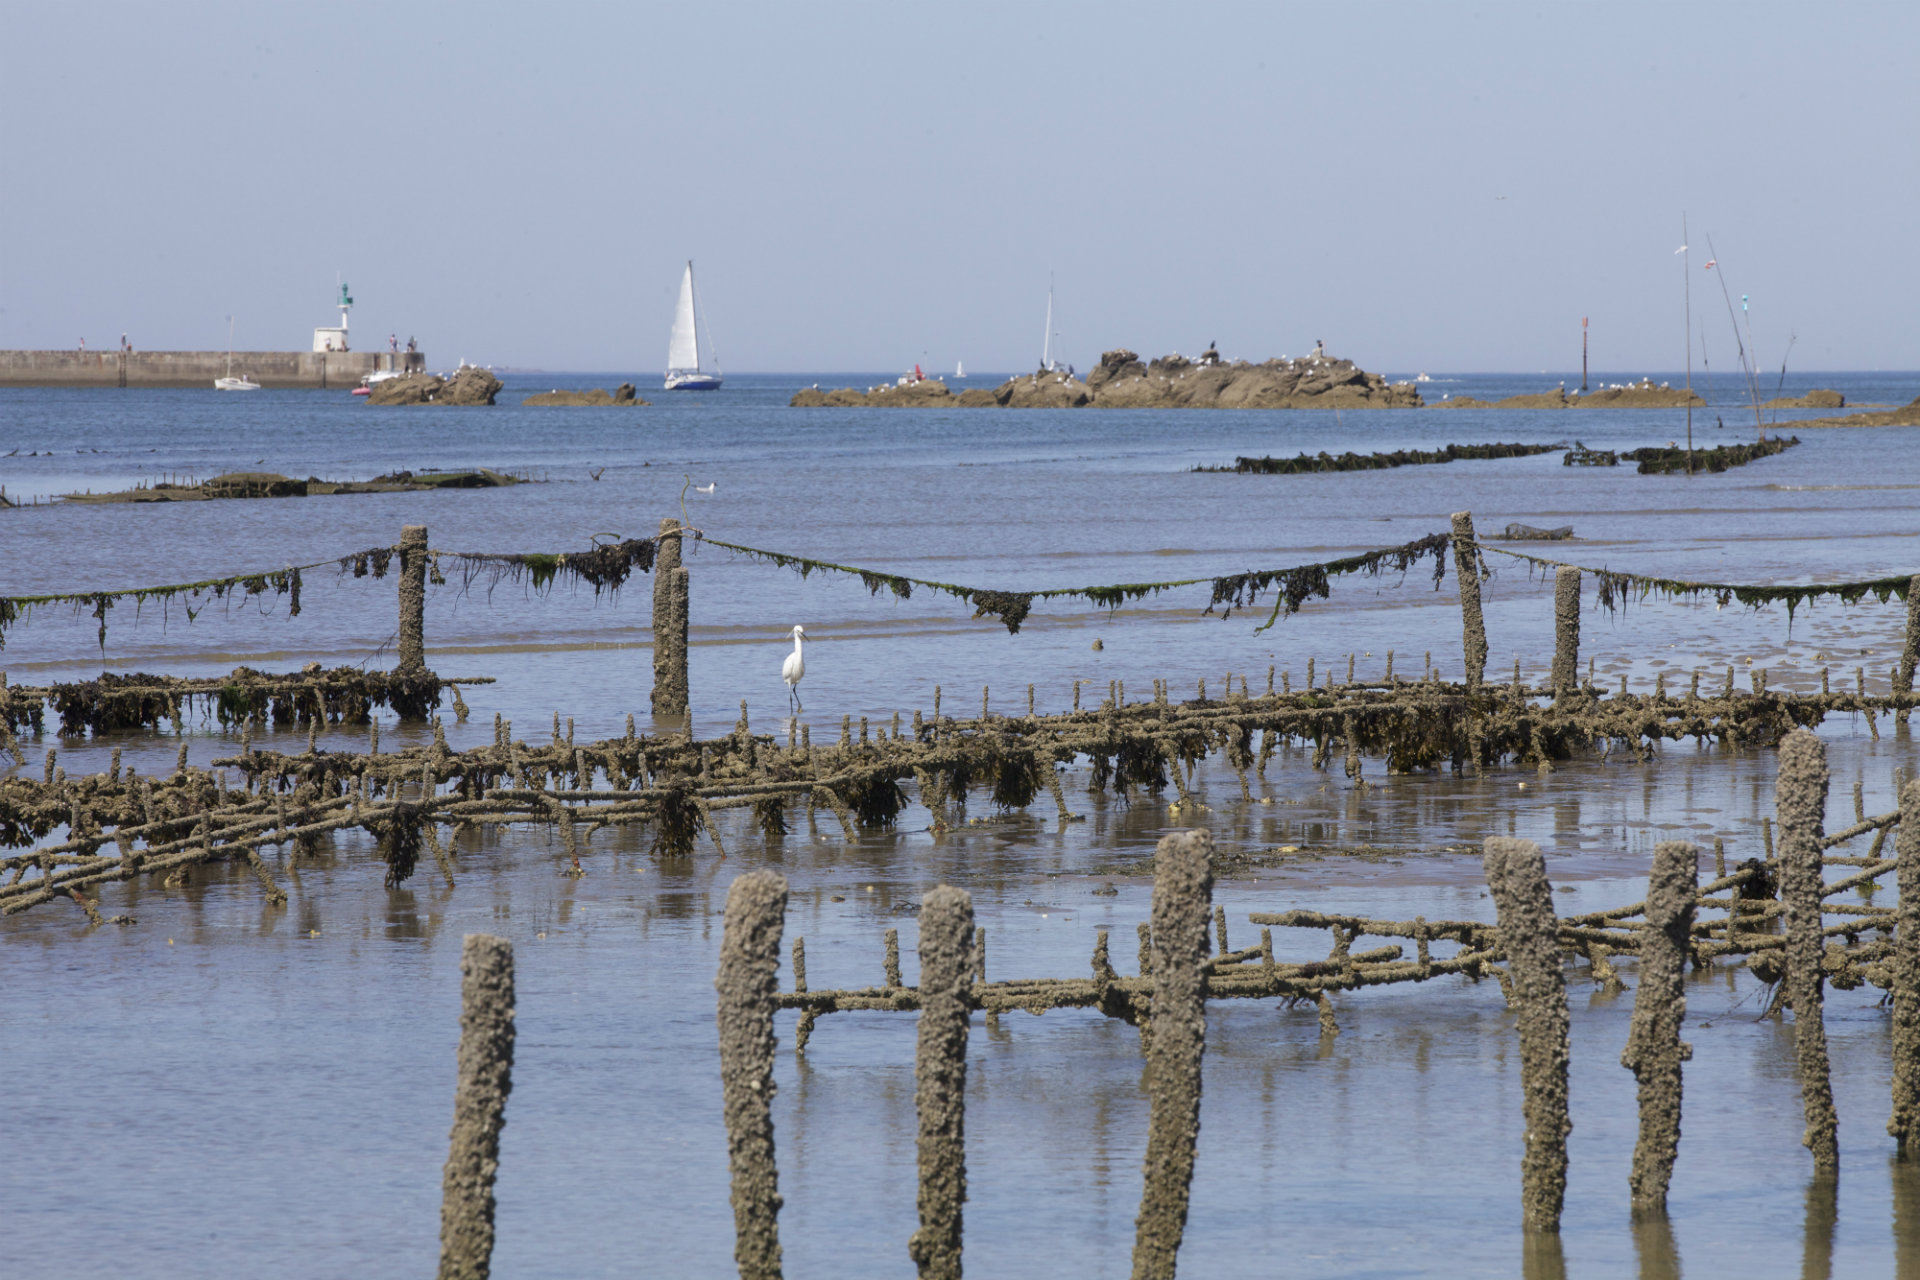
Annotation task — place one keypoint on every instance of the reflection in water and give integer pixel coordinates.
(1823, 1214)
(1906, 1218)
(1541, 1257)
(1653, 1242)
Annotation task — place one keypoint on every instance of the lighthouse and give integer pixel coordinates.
(335, 339)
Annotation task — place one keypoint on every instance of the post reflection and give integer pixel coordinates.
(1906, 1218)
(1653, 1244)
(1823, 1214)
(1541, 1257)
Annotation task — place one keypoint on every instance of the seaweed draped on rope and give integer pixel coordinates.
(194, 596)
(1615, 590)
(605, 566)
(1296, 584)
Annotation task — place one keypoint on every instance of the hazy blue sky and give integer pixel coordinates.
(1426, 186)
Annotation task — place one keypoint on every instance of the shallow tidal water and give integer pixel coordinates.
(223, 1088)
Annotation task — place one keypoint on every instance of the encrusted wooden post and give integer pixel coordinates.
(669, 660)
(1517, 875)
(1906, 977)
(1466, 563)
(1566, 632)
(413, 598)
(1903, 675)
(1182, 889)
(479, 1107)
(747, 983)
(1800, 797)
(940, 1071)
(1654, 1050)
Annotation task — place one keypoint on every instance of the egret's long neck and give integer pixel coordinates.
(796, 643)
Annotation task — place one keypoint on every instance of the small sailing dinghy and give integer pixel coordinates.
(231, 383)
(683, 347)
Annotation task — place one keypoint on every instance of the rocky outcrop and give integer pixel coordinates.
(1123, 381)
(469, 386)
(1819, 399)
(268, 484)
(927, 393)
(596, 398)
(1905, 416)
(1645, 394)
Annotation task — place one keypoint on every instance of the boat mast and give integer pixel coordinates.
(1686, 274)
(1046, 343)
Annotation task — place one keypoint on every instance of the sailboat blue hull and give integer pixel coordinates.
(693, 382)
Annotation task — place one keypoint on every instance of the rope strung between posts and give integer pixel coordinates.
(286, 582)
(1615, 588)
(1295, 585)
(610, 561)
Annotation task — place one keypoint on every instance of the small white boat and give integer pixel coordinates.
(960, 369)
(231, 383)
(683, 346)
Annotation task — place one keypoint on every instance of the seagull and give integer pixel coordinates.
(703, 488)
(794, 668)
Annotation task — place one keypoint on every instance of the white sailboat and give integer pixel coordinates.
(231, 383)
(1047, 363)
(683, 347)
(960, 369)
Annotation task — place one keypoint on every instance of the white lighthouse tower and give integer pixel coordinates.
(335, 339)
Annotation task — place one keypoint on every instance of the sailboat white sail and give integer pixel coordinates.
(231, 383)
(683, 346)
(1047, 363)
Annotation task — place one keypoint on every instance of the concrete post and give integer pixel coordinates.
(479, 1107)
(1466, 561)
(1566, 632)
(1654, 1051)
(1517, 875)
(413, 599)
(1182, 890)
(1800, 791)
(1905, 1123)
(666, 559)
(747, 983)
(940, 1070)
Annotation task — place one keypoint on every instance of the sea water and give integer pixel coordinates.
(228, 1088)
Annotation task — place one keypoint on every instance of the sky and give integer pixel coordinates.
(1426, 187)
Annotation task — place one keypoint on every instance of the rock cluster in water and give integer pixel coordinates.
(596, 398)
(470, 385)
(1122, 380)
(1644, 394)
(1816, 399)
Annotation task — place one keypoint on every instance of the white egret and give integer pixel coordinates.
(794, 668)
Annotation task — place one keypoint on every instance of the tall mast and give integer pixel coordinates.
(1046, 343)
(1686, 273)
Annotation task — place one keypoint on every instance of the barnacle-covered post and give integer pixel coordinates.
(1654, 1051)
(940, 1070)
(413, 599)
(1182, 889)
(1466, 561)
(479, 1107)
(1910, 655)
(1566, 632)
(1517, 874)
(748, 983)
(1800, 790)
(1906, 976)
(669, 659)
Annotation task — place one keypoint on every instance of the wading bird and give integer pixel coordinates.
(794, 668)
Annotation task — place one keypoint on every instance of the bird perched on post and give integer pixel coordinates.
(794, 668)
